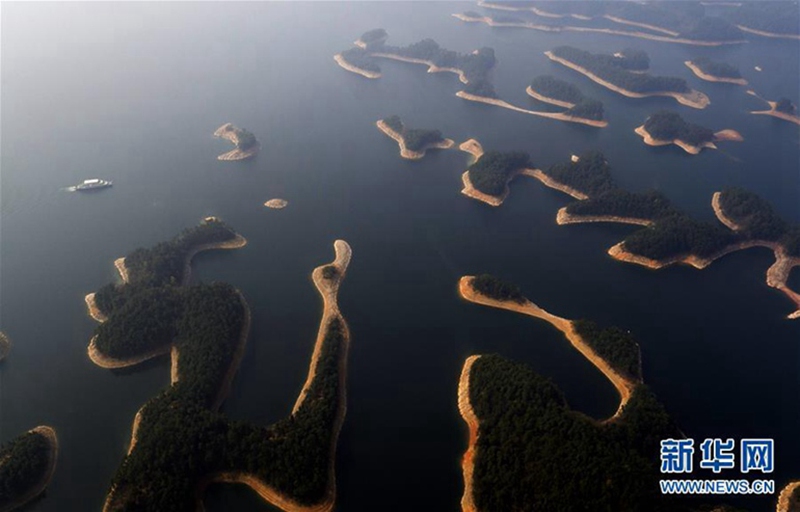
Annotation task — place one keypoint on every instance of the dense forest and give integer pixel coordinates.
(161, 265)
(712, 29)
(475, 65)
(786, 106)
(614, 345)
(25, 461)
(491, 172)
(180, 442)
(679, 235)
(667, 125)
(775, 17)
(758, 220)
(498, 289)
(415, 139)
(534, 453)
(648, 205)
(374, 36)
(245, 139)
(552, 87)
(180, 439)
(481, 88)
(633, 59)
(591, 174)
(360, 58)
(716, 68)
(608, 68)
(587, 109)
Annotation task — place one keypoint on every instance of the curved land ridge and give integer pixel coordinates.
(777, 275)
(333, 330)
(785, 497)
(712, 78)
(474, 148)
(694, 99)
(244, 148)
(692, 149)
(408, 153)
(462, 76)
(774, 112)
(50, 437)
(624, 385)
(668, 37)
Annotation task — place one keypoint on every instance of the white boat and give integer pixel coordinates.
(92, 184)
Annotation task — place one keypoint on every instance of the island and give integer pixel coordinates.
(660, 21)
(528, 451)
(246, 144)
(372, 37)
(413, 142)
(671, 236)
(714, 71)
(357, 60)
(782, 109)
(548, 89)
(276, 203)
(665, 127)
(5, 346)
(205, 328)
(768, 19)
(607, 71)
(27, 464)
(487, 178)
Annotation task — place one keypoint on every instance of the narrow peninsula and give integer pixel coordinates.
(714, 71)
(357, 60)
(782, 109)
(205, 328)
(27, 464)
(610, 72)
(513, 414)
(413, 142)
(246, 144)
(664, 128)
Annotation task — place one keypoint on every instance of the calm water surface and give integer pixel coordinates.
(133, 92)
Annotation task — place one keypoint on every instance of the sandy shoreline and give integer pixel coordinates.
(774, 113)
(404, 151)
(228, 132)
(468, 415)
(694, 99)
(354, 69)
(556, 185)
(711, 78)
(768, 34)
(545, 99)
(432, 68)
(564, 217)
(551, 115)
(717, 207)
(276, 203)
(689, 148)
(470, 191)
(623, 385)
(641, 25)
(473, 147)
(49, 434)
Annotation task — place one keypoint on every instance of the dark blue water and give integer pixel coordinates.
(133, 92)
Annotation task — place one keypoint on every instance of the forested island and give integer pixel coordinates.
(607, 71)
(715, 71)
(27, 464)
(413, 142)
(684, 23)
(564, 94)
(289, 463)
(665, 127)
(5, 346)
(784, 109)
(246, 143)
(488, 177)
(372, 37)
